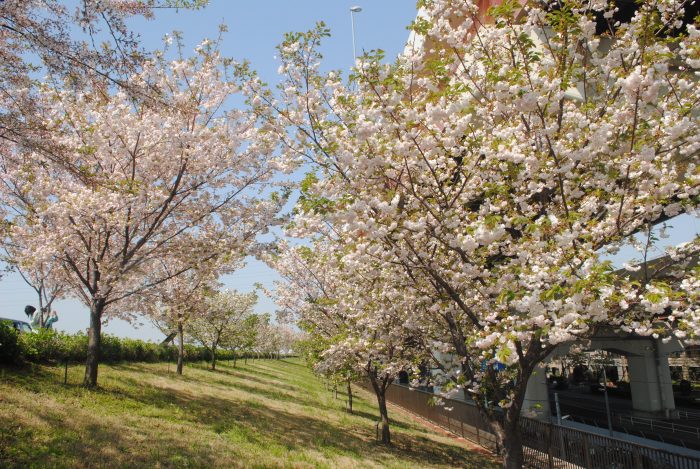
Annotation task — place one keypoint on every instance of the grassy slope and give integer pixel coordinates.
(267, 413)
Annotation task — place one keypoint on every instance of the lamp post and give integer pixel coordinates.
(353, 10)
(607, 402)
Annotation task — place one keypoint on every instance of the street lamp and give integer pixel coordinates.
(353, 10)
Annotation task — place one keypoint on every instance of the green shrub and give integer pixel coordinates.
(76, 346)
(47, 346)
(43, 346)
(10, 351)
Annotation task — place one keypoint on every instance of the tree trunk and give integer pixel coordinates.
(180, 348)
(511, 435)
(42, 321)
(384, 414)
(380, 391)
(213, 357)
(512, 445)
(94, 337)
(349, 397)
(49, 303)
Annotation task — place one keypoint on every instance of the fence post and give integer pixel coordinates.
(550, 458)
(587, 452)
(636, 457)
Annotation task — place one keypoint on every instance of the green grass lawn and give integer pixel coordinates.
(267, 413)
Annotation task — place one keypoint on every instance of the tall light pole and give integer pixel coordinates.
(353, 10)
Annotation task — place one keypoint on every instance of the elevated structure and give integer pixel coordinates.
(648, 358)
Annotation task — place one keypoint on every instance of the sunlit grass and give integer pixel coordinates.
(266, 413)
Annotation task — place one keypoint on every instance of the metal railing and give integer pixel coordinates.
(684, 414)
(659, 425)
(455, 416)
(545, 445)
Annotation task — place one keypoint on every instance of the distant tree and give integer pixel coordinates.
(225, 320)
(268, 340)
(353, 316)
(43, 278)
(172, 304)
(246, 337)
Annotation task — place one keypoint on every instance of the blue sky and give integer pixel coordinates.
(254, 29)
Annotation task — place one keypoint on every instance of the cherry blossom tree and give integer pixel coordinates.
(86, 43)
(41, 278)
(273, 339)
(493, 166)
(245, 338)
(227, 317)
(356, 321)
(303, 297)
(139, 184)
(173, 303)
(267, 337)
(289, 337)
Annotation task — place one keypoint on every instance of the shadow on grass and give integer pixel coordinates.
(277, 368)
(266, 390)
(253, 368)
(269, 391)
(265, 372)
(251, 376)
(81, 440)
(226, 380)
(265, 427)
(374, 418)
(84, 436)
(294, 362)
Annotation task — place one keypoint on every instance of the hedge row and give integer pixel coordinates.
(46, 346)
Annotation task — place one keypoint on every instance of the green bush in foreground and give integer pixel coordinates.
(9, 347)
(47, 346)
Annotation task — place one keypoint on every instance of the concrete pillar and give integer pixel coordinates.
(685, 369)
(650, 378)
(536, 402)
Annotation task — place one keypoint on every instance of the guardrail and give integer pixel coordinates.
(659, 425)
(683, 414)
(545, 445)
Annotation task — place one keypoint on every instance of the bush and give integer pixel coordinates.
(43, 346)
(47, 346)
(10, 351)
